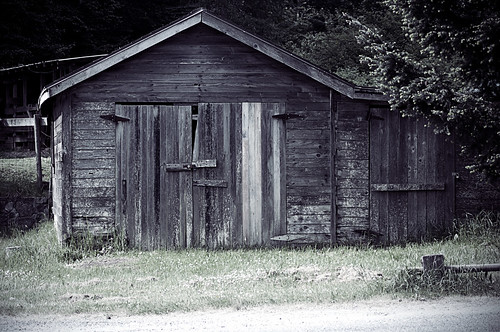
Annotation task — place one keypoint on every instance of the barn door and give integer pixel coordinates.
(411, 179)
(241, 202)
(153, 200)
(211, 175)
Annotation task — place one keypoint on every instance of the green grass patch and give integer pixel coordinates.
(39, 276)
(18, 173)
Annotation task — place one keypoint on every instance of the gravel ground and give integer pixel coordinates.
(446, 314)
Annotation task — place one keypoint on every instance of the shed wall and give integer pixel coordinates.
(201, 65)
(61, 130)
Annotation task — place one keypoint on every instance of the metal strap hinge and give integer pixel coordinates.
(115, 118)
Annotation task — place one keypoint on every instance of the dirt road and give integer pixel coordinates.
(447, 314)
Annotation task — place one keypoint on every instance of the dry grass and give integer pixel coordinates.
(42, 277)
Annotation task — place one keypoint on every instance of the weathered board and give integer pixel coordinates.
(411, 177)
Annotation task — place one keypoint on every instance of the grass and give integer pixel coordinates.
(18, 173)
(39, 276)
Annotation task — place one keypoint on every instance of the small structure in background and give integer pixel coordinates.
(20, 87)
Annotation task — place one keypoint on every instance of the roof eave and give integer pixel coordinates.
(118, 56)
(202, 16)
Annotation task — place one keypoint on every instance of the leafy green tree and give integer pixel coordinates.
(448, 71)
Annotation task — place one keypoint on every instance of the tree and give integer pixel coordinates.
(448, 71)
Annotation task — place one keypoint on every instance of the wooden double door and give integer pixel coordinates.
(210, 175)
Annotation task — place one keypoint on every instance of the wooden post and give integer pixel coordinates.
(38, 150)
(433, 265)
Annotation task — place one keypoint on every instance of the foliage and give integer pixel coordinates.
(447, 71)
(61, 28)
(313, 29)
(40, 276)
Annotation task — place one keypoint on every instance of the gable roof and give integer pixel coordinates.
(202, 16)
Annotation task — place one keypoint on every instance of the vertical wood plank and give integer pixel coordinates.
(394, 175)
(236, 179)
(67, 153)
(450, 183)
(430, 166)
(163, 116)
(384, 221)
(440, 169)
(197, 218)
(143, 159)
(136, 161)
(402, 172)
(376, 143)
(421, 226)
(186, 222)
(227, 160)
(245, 172)
(255, 165)
(412, 154)
(267, 167)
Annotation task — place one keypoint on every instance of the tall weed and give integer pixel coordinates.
(476, 240)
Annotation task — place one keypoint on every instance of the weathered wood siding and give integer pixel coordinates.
(92, 168)
(351, 162)
(201, 65)
(61, 162)
(412, 179)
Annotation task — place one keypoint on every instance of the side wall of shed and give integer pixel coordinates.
(61, 195)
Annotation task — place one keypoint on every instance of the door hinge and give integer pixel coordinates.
(115, 118)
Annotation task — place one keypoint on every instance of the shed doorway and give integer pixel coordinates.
(210, 175)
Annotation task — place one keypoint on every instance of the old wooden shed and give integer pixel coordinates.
(203, 135)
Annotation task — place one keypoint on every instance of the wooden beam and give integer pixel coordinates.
(22, 122)
(210, 183)
(407, 186)
(38, 151)
(303, 238)
(435, 264)
(473, 268)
